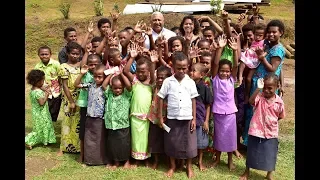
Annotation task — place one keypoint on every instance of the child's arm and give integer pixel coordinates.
(206, 122)
(256, 92)
(115, 17)
(154, 59)
(194, 115)
(85, 56)
(149, 33)
(86, 37)
(68, 94)
(44, 99)
(241, 69)
(133, 54)
(234, 45)
(281, 83)
(275, 60)
(255, 16)
(160, 113)
(215, 65)
(224, 15)
(106, 81)
(126, 82)
(83, 71)
(212, 23)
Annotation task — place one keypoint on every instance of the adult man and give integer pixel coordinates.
(157, 22)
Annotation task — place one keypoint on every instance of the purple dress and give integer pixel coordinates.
(224, 109)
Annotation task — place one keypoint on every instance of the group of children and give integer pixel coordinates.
(121, 100)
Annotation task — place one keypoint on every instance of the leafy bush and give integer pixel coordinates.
(98, 7)
(64, 9)
(215, 6)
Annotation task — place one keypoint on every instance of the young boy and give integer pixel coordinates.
(181, 91)
(51, 68)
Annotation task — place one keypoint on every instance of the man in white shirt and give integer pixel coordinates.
(157, 22)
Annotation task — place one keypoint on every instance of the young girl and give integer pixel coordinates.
(92, 61)
(43, 131)
(94, 135)
(224, 108)
(52, 70)
(70, 141)
(114, 62)
(262, 148)
(140, 103)
(116, 116)
(249, 57)
(156, 144)
(203, 104)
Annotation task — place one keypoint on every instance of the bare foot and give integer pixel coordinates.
(109, 166)
(80, 160)
(237, 154)
(114, 167)
(244, 176)
(202, 167)
(169, 174)
(231, 166)
(190, 173)
(60, 153)
(269, 176)
(126, 165)
(27, 146)
(154, 166)
(215, 163)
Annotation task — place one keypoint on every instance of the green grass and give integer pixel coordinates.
(44, 26)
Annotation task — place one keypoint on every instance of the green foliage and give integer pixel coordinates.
(215, 6)
(157, 7)
(65, 9)
(98, 7)
(116, 7)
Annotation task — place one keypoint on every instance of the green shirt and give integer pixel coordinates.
(117, 109)
(52, 72)
(227, 53)
(82, 100)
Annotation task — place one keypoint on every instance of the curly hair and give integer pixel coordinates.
(196, 29)
(34, 76)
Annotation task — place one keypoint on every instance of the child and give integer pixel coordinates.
(92, 61)
(204, 45)
(262, 148)
(175, 44)
(52, 69)
(156, 144)
(117, 108)
(203, 104)
(224, 108)
(43, 131)
(181, 91)
(176, 30)
(140, 103)
(114, 61)
(94, 135)
(70, 141)
(249, 57)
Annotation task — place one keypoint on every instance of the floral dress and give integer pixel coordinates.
(70, 125)
(42, 130)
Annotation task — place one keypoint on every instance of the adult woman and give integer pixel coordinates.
(190, 29)
(270, 63)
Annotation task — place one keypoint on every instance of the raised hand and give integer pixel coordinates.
(138, 27)
(84, 69)
(115, 16)
(255, 10)
(201, 18)
(224, 14)
(260, 83)
(90, 27)
(133, 49)
(213, 46)
(222, 41)
(148, 30)
(260, 53)
(233, 43)
(89, 47)
(154, 56)
(194, 51)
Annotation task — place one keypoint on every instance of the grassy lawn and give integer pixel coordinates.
(44, 25)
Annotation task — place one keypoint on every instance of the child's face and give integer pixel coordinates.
(208, 35)
(44, 55)
(224, 71)
(104, 28)
(123, 38)
(259, 35)
(195, 73)
(180, 68)
(74, 55)
(114, 44)
(161, 76)
(92, 63)
(115, 60)
(117, 88)
(269, 88)
(206, 61)
(142, 72)
(204, 46)
(273, 33)
(204, 24)
(94, 46)
(40, 83)
(98, 76)
(71, 36)
(249, 36)
(176, 46)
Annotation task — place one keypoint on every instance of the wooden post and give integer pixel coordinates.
(293, 45)
(288, 54)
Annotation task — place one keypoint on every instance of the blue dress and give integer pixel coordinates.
(277, 50)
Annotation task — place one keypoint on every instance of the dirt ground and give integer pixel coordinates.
(36, 166)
